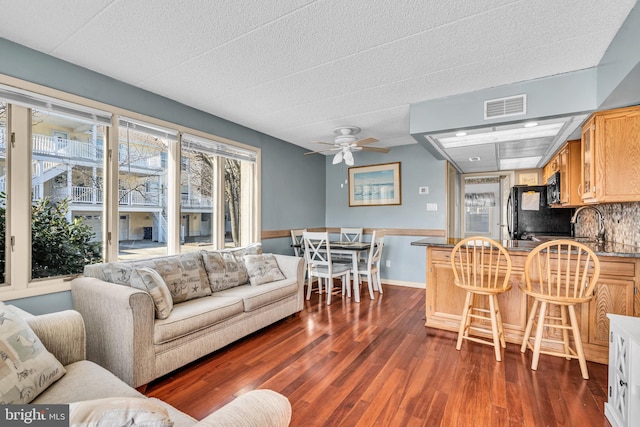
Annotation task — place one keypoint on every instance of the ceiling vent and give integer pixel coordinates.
(505, 107)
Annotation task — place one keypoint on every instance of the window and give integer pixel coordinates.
(98, 186)
(216, 182)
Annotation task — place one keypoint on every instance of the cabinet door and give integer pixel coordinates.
(564, 174)
(587, 188)
(610, 296)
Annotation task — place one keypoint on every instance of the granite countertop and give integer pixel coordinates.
(606, 249)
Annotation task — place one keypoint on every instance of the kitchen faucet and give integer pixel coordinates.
(600, 235)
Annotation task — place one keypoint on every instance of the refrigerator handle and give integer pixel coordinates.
(509, 216)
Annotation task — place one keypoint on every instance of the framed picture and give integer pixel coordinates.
(528, 179)
(375, 185)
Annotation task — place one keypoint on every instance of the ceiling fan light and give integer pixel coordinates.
(337, 158)
(348, 158)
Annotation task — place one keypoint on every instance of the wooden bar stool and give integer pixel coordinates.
(560, 273)
(482, 267)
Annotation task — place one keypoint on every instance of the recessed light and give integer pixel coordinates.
(461, 134)
(474, 159)
(531, 124)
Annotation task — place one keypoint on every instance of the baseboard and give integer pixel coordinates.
(418, 285)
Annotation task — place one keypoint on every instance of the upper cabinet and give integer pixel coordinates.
(610, 156)
(568, 162)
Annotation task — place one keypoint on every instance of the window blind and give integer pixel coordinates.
(209, 146)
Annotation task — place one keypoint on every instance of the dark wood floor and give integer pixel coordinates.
(375, 363)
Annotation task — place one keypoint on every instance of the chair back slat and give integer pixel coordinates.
(351, 234)
(563, 269)
(317, 249)
(481, 263)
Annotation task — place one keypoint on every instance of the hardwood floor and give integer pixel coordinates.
(375, 363)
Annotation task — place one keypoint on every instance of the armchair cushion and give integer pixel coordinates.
(147, 279)
(119, 411)
(27, 367)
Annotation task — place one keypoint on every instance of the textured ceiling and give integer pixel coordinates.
(297, 69)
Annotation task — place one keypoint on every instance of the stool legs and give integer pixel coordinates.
(465, 320)
(578, 341)
(494, 316)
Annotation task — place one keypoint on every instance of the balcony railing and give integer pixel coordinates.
(67, 148)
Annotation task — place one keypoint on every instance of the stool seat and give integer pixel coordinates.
(559, 275)
(481, 267)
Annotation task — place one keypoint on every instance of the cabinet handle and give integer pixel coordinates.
(623, 384)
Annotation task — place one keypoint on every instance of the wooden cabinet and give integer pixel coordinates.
(568, 162)
(623, 400)
(614, 293)
(610, 156)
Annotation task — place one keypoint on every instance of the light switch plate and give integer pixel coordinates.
(432, 206)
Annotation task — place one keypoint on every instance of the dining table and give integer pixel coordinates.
(354, 250)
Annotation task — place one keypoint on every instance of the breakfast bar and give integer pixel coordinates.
(615, 292)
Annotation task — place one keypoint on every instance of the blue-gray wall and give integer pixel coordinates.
(418, 168)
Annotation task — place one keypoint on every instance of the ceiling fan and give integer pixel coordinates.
(346, 142)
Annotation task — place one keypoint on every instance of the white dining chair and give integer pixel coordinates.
(371, 267)
(351, 234)
(296, 241)
(317, 252)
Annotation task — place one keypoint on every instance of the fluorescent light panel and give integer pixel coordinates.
(519, 163)
(542, 131)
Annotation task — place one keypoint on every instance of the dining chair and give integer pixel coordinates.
(351, 234)
(481, 266)
(296, 241)
(317, 251)
(559, 274)
(371, 267)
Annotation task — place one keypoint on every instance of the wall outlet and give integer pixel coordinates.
(388, 263)
(423, 190)
(432, 206)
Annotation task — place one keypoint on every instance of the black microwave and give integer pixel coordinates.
(553, 189)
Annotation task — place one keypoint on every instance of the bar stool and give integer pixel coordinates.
(481, 266)
(560, 273)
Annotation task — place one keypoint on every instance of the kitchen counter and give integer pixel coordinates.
(615, 291)
(609, 249)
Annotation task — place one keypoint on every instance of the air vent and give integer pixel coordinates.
(505, 107)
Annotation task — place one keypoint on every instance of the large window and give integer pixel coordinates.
(81, 182)
(216, 185)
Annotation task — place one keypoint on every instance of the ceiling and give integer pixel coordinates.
(297, 69)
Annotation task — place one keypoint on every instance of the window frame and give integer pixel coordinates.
(18, 283)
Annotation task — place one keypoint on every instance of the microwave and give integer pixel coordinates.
(553, 189)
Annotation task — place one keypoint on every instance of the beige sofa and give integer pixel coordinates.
(63, 334)
(125, 337)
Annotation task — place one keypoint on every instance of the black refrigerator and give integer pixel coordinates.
(528, 214)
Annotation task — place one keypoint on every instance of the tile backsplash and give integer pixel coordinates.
(621, 222)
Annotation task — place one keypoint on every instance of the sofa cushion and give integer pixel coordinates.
(262, 269)
(119, 411)
(149, 280)
(194, 315)
(255, 297)
(26, 367)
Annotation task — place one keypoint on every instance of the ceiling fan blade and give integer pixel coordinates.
(321, 142)
(365, 141)
(321, 151)
(377, 149)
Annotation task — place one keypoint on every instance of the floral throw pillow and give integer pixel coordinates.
(262, 269)
(26, 367)
(147, 279)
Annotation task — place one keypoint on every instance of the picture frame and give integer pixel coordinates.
(375, 185)
(528, 178)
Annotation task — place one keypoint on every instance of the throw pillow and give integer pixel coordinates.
(119, 411)
(184, 275)
(262, 269)
(223, 270)
(26, 367)
(147, 279)
(239, 253)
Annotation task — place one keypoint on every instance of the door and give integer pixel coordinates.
(483, 206)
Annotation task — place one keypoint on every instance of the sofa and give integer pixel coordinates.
(63, 335)
(217, 297)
